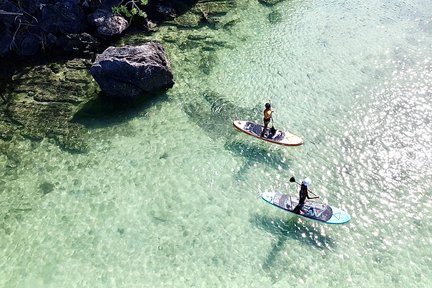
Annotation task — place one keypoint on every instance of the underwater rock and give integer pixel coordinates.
(205, 12)
(188, 20)
(269, 2)
(275, 17)
(6, 129)
(130, 71)
(162, 10)
(165, 9)
(46, 187)
(83, 42)
(43, 101)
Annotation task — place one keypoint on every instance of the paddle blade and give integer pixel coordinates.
(292, 179)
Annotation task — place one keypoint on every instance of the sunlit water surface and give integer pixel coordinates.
(169, 196)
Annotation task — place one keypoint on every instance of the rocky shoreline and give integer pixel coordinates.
(43, 88)
(32, 27)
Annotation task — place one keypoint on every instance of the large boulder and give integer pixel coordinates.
(132, 70)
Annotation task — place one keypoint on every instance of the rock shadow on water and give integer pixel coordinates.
(285, 230)
(105, 111)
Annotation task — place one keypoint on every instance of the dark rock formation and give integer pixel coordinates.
(28, 27)
(203, 13)
(30, 45)
(107, 24)
(46, 187)
(65, 16)
(83, 42)
(6, 38)
(43, 99)
(275, 17)
(98, 4)
(130, 71)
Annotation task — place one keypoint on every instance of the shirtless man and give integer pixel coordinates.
(267, 117)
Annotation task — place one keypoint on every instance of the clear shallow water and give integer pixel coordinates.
(169, 196)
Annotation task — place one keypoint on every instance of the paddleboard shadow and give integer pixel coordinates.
(214, 114)
(293, 229)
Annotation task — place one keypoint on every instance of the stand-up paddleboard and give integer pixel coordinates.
(280, 137)
(310, 210)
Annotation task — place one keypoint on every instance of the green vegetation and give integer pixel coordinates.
(131, 8)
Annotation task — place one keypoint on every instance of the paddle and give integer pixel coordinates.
(272, 129)
(292, 179)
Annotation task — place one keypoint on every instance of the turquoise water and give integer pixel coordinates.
(169, 196)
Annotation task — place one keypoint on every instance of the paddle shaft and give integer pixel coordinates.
(308, 190)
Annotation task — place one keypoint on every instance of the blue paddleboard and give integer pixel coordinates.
(311, 210)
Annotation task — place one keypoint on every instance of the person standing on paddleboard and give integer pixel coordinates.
(267, 117)
(303, 194)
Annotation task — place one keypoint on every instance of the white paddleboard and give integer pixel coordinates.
(280, 137)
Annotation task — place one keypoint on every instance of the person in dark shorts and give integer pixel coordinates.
(267, 117)
(303, 194)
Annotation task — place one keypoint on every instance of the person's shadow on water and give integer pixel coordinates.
(285, 230)
(215, 115)
(254, 154)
